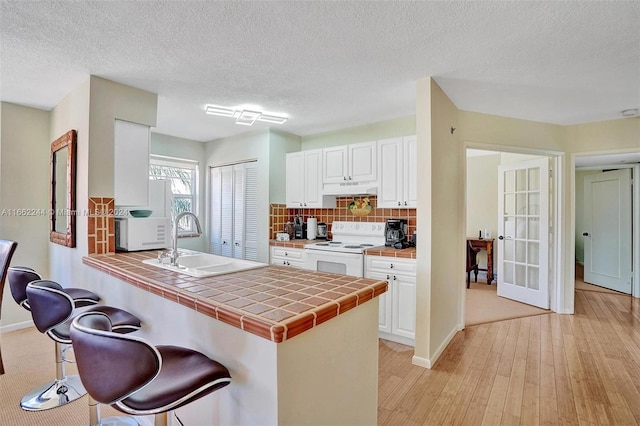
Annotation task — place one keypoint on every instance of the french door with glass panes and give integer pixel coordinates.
(523, 229)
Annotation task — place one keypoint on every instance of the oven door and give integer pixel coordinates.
(335, 262)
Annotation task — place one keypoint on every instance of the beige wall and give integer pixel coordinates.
(91, 109)
(280, 143)
(24, 184)
(111, 101)
(240, 148)
(482, 198)
(402, 126)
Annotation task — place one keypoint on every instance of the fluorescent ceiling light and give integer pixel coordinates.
(247, 118)
(272, 119)
(243, 116)
(219, 110)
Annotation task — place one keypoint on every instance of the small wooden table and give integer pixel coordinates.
(485, 244)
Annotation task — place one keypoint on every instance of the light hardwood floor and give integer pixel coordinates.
(548, 369)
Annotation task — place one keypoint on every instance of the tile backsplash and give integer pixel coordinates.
(101, 226)
(279, 214)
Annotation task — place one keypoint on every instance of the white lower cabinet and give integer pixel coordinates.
(286, 256)
(397, 320)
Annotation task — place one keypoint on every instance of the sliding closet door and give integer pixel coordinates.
(233, 214)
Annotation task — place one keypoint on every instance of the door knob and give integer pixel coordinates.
(501, 237)
(585, 234)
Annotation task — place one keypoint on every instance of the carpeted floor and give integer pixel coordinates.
(483, 305)
(29, 361)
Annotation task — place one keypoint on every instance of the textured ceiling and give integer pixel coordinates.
(329, 65)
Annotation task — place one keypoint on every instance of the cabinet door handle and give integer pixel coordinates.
(344, 178)
(398, 203)
(391, 266)
(388, 276)
(286, 254)
(300, 204)
(237, 244)
(585, 234)
(394, 278)
(405, 203)
(284, 262)
(305, 204)
(349, 177)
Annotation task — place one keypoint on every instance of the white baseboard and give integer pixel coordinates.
(421, 362)
(17, 326)
(430, 362)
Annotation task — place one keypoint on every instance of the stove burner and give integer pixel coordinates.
(366, 245)
(322, 244)
(335, 242)
(353, 247)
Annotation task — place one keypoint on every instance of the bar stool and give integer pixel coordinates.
(52, 310)
(20, 276)
(136, 377)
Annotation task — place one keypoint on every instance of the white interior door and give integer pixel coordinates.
(607, 237)
(523, 228)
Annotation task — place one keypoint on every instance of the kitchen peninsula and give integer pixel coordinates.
(301, 346)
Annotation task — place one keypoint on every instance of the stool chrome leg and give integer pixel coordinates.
(62, 390)
(95, 420)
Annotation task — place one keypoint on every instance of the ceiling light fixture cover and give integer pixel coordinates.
(245, 117)
(630, 112)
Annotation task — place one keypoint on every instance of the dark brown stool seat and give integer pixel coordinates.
(52, 310)
(20, 276)
(136, 377)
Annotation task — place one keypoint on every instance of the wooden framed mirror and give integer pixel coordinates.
(62, 200)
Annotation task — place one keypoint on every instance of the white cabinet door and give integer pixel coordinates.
(397, 320)
(362, 162)
(335, 166)
(384, 307)
(397, 168)
(251, 211)
(287, 257)
(312, 178)
(294, 178)
(410, 169)
(390, 172)
(403, 291)
(238, 211)
(226, 211)
(215, 221)
(131, 164)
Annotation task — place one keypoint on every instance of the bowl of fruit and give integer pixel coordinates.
(360, 207)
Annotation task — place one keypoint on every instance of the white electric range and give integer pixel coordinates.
(345, 253)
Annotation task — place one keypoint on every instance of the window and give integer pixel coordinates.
(183, 175)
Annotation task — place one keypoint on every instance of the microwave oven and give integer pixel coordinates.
(142, 233)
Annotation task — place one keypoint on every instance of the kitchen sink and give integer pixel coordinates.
(198, 264)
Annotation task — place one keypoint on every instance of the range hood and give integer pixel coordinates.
(355, 188)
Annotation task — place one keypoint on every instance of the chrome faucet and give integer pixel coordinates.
(173, 256)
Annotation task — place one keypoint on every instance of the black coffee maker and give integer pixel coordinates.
(395, 232)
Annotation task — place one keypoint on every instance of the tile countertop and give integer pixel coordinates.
(274, 302)
(407, 253)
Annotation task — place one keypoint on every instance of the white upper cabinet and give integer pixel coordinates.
(304, 181)
(397, 168)
(350, 163)
(131, 164)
